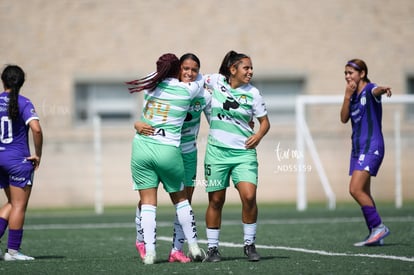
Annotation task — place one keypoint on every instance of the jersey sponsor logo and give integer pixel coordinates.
(17, 178)
(159, 132)
(227, 118)
(230, 102)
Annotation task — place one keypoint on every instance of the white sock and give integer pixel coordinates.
(178, 238)
(186, 219)
(212, 237)
(149, 226)
(140, 236)
(249, 230)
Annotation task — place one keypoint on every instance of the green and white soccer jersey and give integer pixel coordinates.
(191, 124)
(165, 109)
(231, 112)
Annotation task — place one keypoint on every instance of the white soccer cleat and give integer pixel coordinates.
(195, 253)
(17, 257)
(149, 257)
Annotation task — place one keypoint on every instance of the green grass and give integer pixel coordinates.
(316, 241)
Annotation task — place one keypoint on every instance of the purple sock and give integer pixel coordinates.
(372, 217)
(15, 239)
(3, 226)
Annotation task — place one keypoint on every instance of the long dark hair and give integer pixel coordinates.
(359, 65)
(13, 78)
(232, 58)
(168, 65)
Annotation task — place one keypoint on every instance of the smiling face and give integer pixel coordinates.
(189, 70)
(241, 73)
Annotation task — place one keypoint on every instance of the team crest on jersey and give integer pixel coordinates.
(363, 100)
(243, 99)
(197, 106)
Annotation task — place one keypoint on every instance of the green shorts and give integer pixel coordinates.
(222, 163)
(152, 163)
(190, 168)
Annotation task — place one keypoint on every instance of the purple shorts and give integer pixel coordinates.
(363, 162)
(18, 173)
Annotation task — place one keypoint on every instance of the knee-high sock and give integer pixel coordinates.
(372, 218)
(140, 236)
(178, 237)
(148, 224)
(3, 225)
(187, 221)
(249, 233)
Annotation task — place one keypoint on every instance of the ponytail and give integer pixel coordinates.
(232, 58)
(168, 65)
(13, 78)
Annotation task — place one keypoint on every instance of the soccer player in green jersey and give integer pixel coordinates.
(157, 158)
(189, 70)
(231, 148)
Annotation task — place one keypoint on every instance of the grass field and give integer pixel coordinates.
(317, 241)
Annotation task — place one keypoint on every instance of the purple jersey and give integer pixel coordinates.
(14, 134)
(366, 116)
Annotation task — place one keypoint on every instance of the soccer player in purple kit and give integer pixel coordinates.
(17, 165)
(362, 104)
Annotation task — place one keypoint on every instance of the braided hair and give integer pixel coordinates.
(168, 65)
(13, 78)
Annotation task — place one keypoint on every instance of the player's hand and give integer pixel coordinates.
(383, 90)
(143, 128)
(35, 161)
(351, 87)
(252, 141)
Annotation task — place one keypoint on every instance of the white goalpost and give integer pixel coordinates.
(304, 141)
(97, 145)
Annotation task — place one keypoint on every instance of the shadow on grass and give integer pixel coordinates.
(48, 257)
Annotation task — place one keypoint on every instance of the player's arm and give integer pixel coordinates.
(255, 139)
(143, 128)
(349, 90)
(207, 108)
(380, 90)
(37, 142)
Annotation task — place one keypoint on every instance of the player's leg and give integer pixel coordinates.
(245, 175)
(148, 222)
(19, 198)
(5, 212)
(139, 242)
(360, 190)
(190, 170)
(171, 172)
